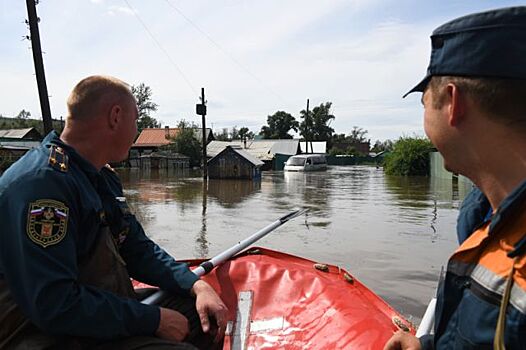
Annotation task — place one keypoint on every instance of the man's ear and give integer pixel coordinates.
(115, 116)
(456, 107)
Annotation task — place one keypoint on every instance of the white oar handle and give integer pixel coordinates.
(208, 265)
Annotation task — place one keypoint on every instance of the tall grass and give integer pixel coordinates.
(410, 156)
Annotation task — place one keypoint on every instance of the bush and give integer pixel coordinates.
(185, 143)
(410, 156)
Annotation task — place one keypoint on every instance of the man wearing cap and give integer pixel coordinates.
(474, 96)
(69, 244)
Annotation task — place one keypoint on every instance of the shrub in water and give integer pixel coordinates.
(410, 156)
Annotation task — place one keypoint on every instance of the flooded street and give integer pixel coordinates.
(392, 233)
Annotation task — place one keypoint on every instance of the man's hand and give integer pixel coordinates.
(172, 326)
(403, 341)
(208, 303)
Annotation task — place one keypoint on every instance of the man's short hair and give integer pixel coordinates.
(501, 100)
(84, 100)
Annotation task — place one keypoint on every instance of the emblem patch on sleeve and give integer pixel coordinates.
(47, 222)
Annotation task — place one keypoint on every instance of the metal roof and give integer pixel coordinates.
(15, 133)
(260, 149)
(155, 137)
(19, 144)
(248, 157)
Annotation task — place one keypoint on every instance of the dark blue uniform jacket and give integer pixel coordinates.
(43, 278)
(466, 318)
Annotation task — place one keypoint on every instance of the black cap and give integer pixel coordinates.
(488, 44)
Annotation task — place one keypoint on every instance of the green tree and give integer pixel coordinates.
(244, 132)
(315, 124)
(357, 135)
(185, 143)
(145, 105)
(278, 126)
(380, 146)
(23, 114)
(224, 135)
(410, 156)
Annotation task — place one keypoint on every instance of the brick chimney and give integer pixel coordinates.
(166, 132)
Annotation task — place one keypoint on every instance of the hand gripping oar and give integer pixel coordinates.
(208, 265)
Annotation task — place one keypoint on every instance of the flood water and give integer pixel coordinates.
(392, 233)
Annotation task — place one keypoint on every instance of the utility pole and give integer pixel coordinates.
(307, 126)
(39, 64)
(201, 110)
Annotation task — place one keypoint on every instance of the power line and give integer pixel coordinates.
(194, 90)
(226, 53)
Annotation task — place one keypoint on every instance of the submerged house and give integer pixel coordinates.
(273, 153)
(14, 143)
(234, 163)
(145, 151)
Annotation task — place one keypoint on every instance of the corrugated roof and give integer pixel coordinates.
(15, 133)
(248, 157)
(21, 144)
(155, 137)
(260, 149)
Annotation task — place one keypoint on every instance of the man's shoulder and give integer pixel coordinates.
(36, 166)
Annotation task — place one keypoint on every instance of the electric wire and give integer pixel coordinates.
(226, 53)
(179, 70)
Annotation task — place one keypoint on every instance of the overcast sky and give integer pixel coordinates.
(252, 57)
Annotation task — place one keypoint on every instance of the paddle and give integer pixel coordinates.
(208, 265)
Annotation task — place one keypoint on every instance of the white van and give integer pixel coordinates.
(306, 162)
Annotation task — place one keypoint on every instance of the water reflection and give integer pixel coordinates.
(393, 233)
(312, 188)
(201, 241)
(230, 193)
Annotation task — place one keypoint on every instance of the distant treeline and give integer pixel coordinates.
(21, 123)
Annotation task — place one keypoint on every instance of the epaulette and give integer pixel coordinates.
(58, 159)
(107, 166)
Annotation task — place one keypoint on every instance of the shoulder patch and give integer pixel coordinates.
(58, 159)
(47, 221)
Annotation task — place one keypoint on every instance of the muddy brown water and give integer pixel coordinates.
(392, 233)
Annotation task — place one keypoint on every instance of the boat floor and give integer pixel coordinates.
(280, 301)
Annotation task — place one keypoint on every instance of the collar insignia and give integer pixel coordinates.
(58, 159)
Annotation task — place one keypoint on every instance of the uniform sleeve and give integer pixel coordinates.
(149, 263)
(39, 263)
(145, 260)
(427, 342)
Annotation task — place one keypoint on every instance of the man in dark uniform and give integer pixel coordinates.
(69, 243)
(474, 96)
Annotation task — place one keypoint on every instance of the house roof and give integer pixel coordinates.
(242, 153)
(19, 144)
(248, 156)
(156, 137)
(260, 149)
(15, 133)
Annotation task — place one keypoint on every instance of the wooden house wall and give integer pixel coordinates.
(230, 165)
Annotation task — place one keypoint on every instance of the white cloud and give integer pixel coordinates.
(292, 49)
(116, 10)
